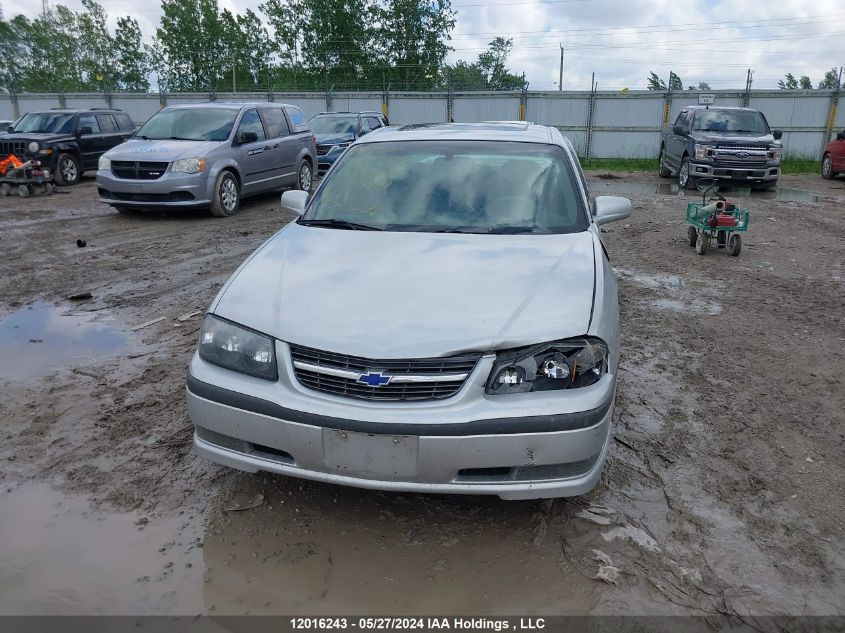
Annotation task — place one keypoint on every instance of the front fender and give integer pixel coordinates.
(214, 172)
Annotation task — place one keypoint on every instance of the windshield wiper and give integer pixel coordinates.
(334, 223)
(181, 138)
(511, 230)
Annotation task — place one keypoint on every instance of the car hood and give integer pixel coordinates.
(140, 149)
(763, 140)
(334, 139)
(41, 137)
(413, 295)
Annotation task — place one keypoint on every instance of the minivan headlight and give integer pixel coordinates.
(188, 165)
(565, 364)
(104, 164)
(237, 348)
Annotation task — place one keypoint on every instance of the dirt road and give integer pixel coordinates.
(722, 495)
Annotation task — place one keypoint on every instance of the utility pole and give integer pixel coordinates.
(560, 78)
(44, 8)
(749, 78)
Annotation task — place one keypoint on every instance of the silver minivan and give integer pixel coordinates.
(209, 155)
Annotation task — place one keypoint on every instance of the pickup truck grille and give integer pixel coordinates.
(137, 170)
(18, 148)
(740, 155)
(410, 380)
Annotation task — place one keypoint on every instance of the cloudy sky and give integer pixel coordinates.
(620, 40)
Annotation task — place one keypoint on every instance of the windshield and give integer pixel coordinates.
(730, 121)
(200, 124)
(451, 186)
(334, 124)
(57, 123)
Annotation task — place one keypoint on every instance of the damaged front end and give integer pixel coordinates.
(567, 364)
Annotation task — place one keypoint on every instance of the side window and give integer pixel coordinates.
(374, 122)
(89, 120)
(106, 123)
(274, 122)
(124, 123)
(365, 125)
(681, 117)
(251, 122)
(298, 122)
(688, 122)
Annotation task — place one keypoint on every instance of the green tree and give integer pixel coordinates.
(190, 47)
(493, 65)
(789, 82)
(675, 82)
(131, 67)
(804, 83)
(96, 60)
(14, 53)
(830, 81)
(655, 82)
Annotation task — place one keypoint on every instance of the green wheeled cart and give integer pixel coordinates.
(716, 219)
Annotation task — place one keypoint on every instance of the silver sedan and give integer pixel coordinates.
(440, 318)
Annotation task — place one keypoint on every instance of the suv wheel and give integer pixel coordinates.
(827, 167)
(305, 176)
(67, 170)
(684, 179)
(226, 195)
(662, 170)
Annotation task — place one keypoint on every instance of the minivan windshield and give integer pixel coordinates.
(451, 187)
(334, 124)
(190, 124)
(35, 122)
(739, 121)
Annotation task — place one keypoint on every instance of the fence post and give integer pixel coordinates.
(107, 97)
(667, 107)
(162, 98)
(16, 111)
(590, 110)
(385, 103)
(61, 97)
(831, 116)
(328, 99)
(523, 103)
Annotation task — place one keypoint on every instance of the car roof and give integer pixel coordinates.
(520, 131)
(704, 107)
(229, 105)
(78, 111)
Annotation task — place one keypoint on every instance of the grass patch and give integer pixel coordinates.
(789, 166)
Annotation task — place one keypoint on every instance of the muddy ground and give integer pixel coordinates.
(722, 495)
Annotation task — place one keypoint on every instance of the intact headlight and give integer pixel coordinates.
(188, 165)
(339, 147)
(565, 364)
(701, 151)
(33, 147)
(104, 164)
(237, 348)
(776, 153)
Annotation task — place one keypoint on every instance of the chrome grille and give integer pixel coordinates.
(322, 150)
(137, 170)
(411, 379)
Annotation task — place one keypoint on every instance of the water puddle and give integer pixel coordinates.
(41, 338)
(62, 557)
(622, 187)
(675, 294)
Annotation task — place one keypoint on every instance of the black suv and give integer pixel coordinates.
(335, 131)
(730, 144)
(67, 142)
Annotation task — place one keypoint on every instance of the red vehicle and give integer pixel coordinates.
(833, 159)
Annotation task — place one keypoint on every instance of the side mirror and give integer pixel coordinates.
(778, 134)
(611, 209)
(247, 137)
(678, 129)
(85, 131)
(9, 129)
(294, 201)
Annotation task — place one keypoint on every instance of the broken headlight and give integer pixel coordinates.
(565, 364)
(234, 347)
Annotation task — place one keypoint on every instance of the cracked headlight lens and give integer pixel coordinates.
(568, 364)
(237, 348)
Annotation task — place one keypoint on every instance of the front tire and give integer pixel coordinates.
(735, 245)
(701, 244)
(305, 177)
(68, 171)
(227, 195)
(662, 169)
(692, 235)
(684, 179)
(827, 167)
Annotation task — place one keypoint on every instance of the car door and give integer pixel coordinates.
(90, 141)
(301, 140)
(374, 122)
(255, 161)
(674, 146)
(837, 152)
(111, 134)
(282, 148)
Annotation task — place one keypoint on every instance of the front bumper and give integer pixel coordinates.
(412, 449)
(171, 190)
(735, 173)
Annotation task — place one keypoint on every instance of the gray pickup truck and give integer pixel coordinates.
(728, 144)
